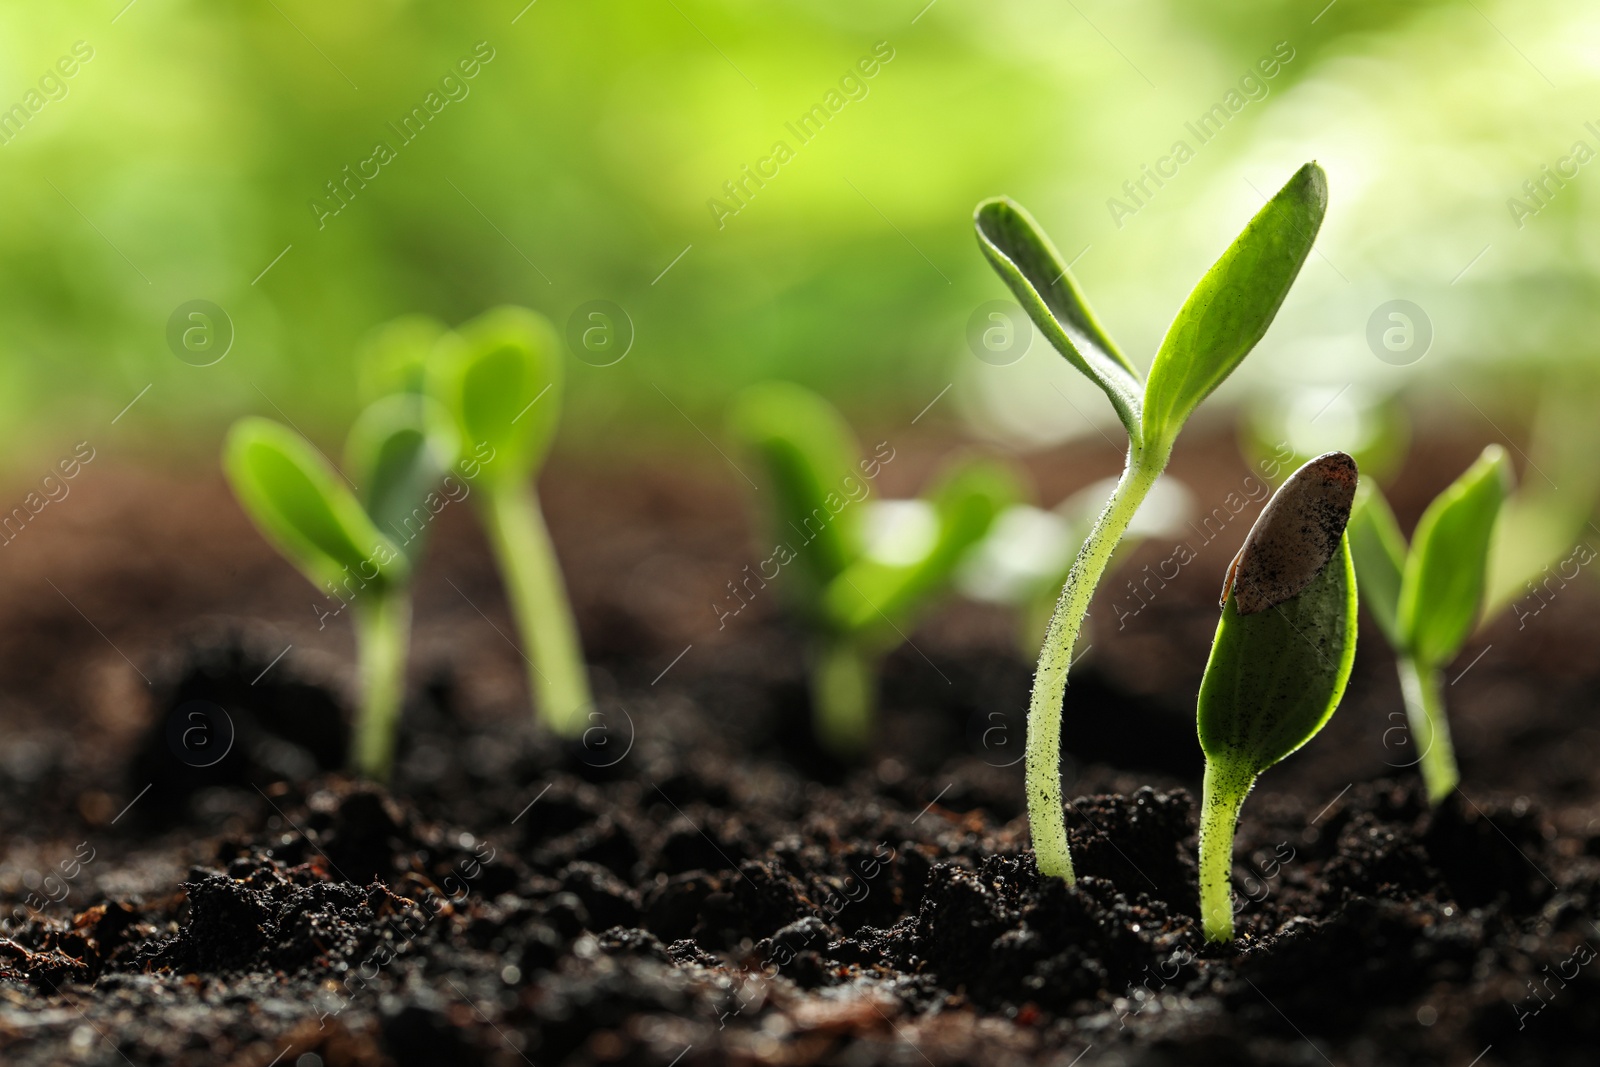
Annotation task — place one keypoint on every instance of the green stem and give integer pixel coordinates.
(1220, 800)
(1423, 691)
(544, 618)
(1046, 819)
(383, 631)
(556, 672)
(842, 697)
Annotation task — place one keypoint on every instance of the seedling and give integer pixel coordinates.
(499, 377)
(1223, 318)
(1426, 601)
(302, 506)
(1280, 659)
(861, 571)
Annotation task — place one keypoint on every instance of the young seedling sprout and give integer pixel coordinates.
(1280, 658)
(860, 571)
(1427, 600)
(499, 377)
(1224, 317)
(397, 455)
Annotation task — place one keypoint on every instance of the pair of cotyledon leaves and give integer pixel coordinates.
(489, 390)
(1426, 600)
(818, 484)
(1224, 317)
(1286, 642)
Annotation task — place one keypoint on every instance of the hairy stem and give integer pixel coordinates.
(842, 697)
(1424, 697)
(1046, 820)
(383, 631)
(556, 673)
(1220, 800)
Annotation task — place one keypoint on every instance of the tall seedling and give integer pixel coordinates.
(1427, 600)
(499, 376)
(1224, 317)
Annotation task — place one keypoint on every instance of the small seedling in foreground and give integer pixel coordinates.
(1224, 317)
(1279, 662)
(499, 376)
(861, 570)
(1427, 601)
(302, 507)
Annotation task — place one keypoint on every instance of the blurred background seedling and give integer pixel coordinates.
(856, 573)
(1024, 560)
(499, 377)
(1427, 599)
(307, 510)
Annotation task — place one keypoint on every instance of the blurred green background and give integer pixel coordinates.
(181, 159)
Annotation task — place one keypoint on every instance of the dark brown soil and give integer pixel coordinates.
(696, 883)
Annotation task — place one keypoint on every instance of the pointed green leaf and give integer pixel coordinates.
(814, 479)
(1441, 590)
(878, 599)
(399, 451)
(1231, 308)
(1275, 677)
(300, 505)
(1032, 268)
(500, 376)
(1379, 550)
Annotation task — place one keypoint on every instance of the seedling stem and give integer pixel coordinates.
(539, 600)
(1222, 797)
(383, 627)
(1046, 810)
(1423, 693)
(844, 701)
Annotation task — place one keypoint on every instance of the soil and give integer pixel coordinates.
(695, 882)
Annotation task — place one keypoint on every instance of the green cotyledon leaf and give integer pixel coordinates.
(1441, 590)
(815, 480)
(1033, 270)
(500, 376)
(300, 505)
(1276, 673)
(1231, 308)
(1379, 550)
(399, 451)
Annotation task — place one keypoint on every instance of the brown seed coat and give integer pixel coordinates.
(1295, 536)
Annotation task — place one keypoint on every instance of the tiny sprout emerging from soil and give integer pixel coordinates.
(499, 377)
(1427, 601)
(1223, 318)
(397, 452)
(860, 570)
(1280, 659)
